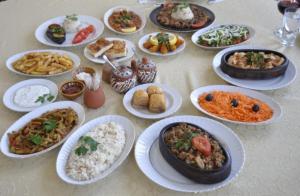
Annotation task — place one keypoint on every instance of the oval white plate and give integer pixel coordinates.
(269, 84)
(129, 47)
(173, 102)
(277, 113)
(8, 97)
(146, 37)
(154, 166)
(69, 145)
(16, 57)
(40, 32)
(202, 31)
(21, 122)
(111, 10)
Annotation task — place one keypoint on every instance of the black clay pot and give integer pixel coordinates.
(196, 174)
(254, 74)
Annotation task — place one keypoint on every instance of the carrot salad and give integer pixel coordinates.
(235, 106)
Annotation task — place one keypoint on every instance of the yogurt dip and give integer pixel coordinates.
(27, 96)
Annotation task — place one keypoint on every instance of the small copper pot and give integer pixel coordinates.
(94, 99)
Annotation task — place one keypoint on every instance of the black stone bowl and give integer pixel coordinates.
(196, 174)
(254, 74)
(155, 12)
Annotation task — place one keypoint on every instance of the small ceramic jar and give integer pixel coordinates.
(123, 78)
(146, 70)
(94, 98)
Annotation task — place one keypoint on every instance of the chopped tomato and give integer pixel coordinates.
(83, 34)
(202, 145)
(198, 24)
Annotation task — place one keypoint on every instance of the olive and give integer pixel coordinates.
(255, 108)
(234, 103)
(209, 97)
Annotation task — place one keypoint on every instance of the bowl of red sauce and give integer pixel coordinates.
(72, 89)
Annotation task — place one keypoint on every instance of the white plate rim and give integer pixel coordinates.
(9, 103)
(188, 119)
(129, 46)
(72, 140)
(195, 36)
(17, 56)
(239, 82)
(36, 113)
(41, 30)
(145, 37)
(277, 110)
(177, 101)
(139, 13)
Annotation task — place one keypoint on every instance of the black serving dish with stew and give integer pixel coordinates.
(255, 64)
(194, 153)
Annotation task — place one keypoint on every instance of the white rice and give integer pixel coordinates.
(111, 139)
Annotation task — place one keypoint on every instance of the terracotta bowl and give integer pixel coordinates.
(254, 74)
(80, 69)
(72, 85)
(202, 176)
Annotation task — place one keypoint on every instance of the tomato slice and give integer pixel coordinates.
(198, 24)
(202, 145)
(83, 34)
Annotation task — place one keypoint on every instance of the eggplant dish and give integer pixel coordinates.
(194, 153)
(182, 16)
(56, 33)
(254, 64)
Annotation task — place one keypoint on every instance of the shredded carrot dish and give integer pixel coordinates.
(235, 106)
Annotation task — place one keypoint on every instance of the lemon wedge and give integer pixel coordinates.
(129, 30)
(172, 39)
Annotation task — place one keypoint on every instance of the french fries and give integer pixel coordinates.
(43, 63)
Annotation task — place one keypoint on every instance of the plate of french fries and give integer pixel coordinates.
(43, 63)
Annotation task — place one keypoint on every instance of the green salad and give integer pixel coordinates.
(224, 35)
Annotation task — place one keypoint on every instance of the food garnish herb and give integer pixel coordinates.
(90, 142)
(163, 38)
(49, 125)
(254, 58)
(36, 139)
(44, 97)
(72, 17)
(186, 143)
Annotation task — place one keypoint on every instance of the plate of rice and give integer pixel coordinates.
(95, 150)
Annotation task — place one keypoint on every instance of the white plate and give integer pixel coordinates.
(16, 57)
(269, 84)
(21, 122)
(277, 112)
(129, 47)
(122, 7)
(40, 32)
(154, 166)
(173, 102)
(146, 37)
(69, 145)
(203, 31)
(8, 97)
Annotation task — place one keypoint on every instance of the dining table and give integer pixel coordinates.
(272, 151)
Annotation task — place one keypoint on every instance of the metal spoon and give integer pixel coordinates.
(109, 62)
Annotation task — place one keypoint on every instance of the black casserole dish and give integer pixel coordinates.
(257, 64)
(179, 145)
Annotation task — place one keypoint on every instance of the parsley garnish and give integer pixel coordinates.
(49, 125)
(86, 141)
(36, 139)
(42, 98)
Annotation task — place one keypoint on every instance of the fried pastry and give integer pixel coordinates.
(157, 103)
(140, 99)
(154, 90)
